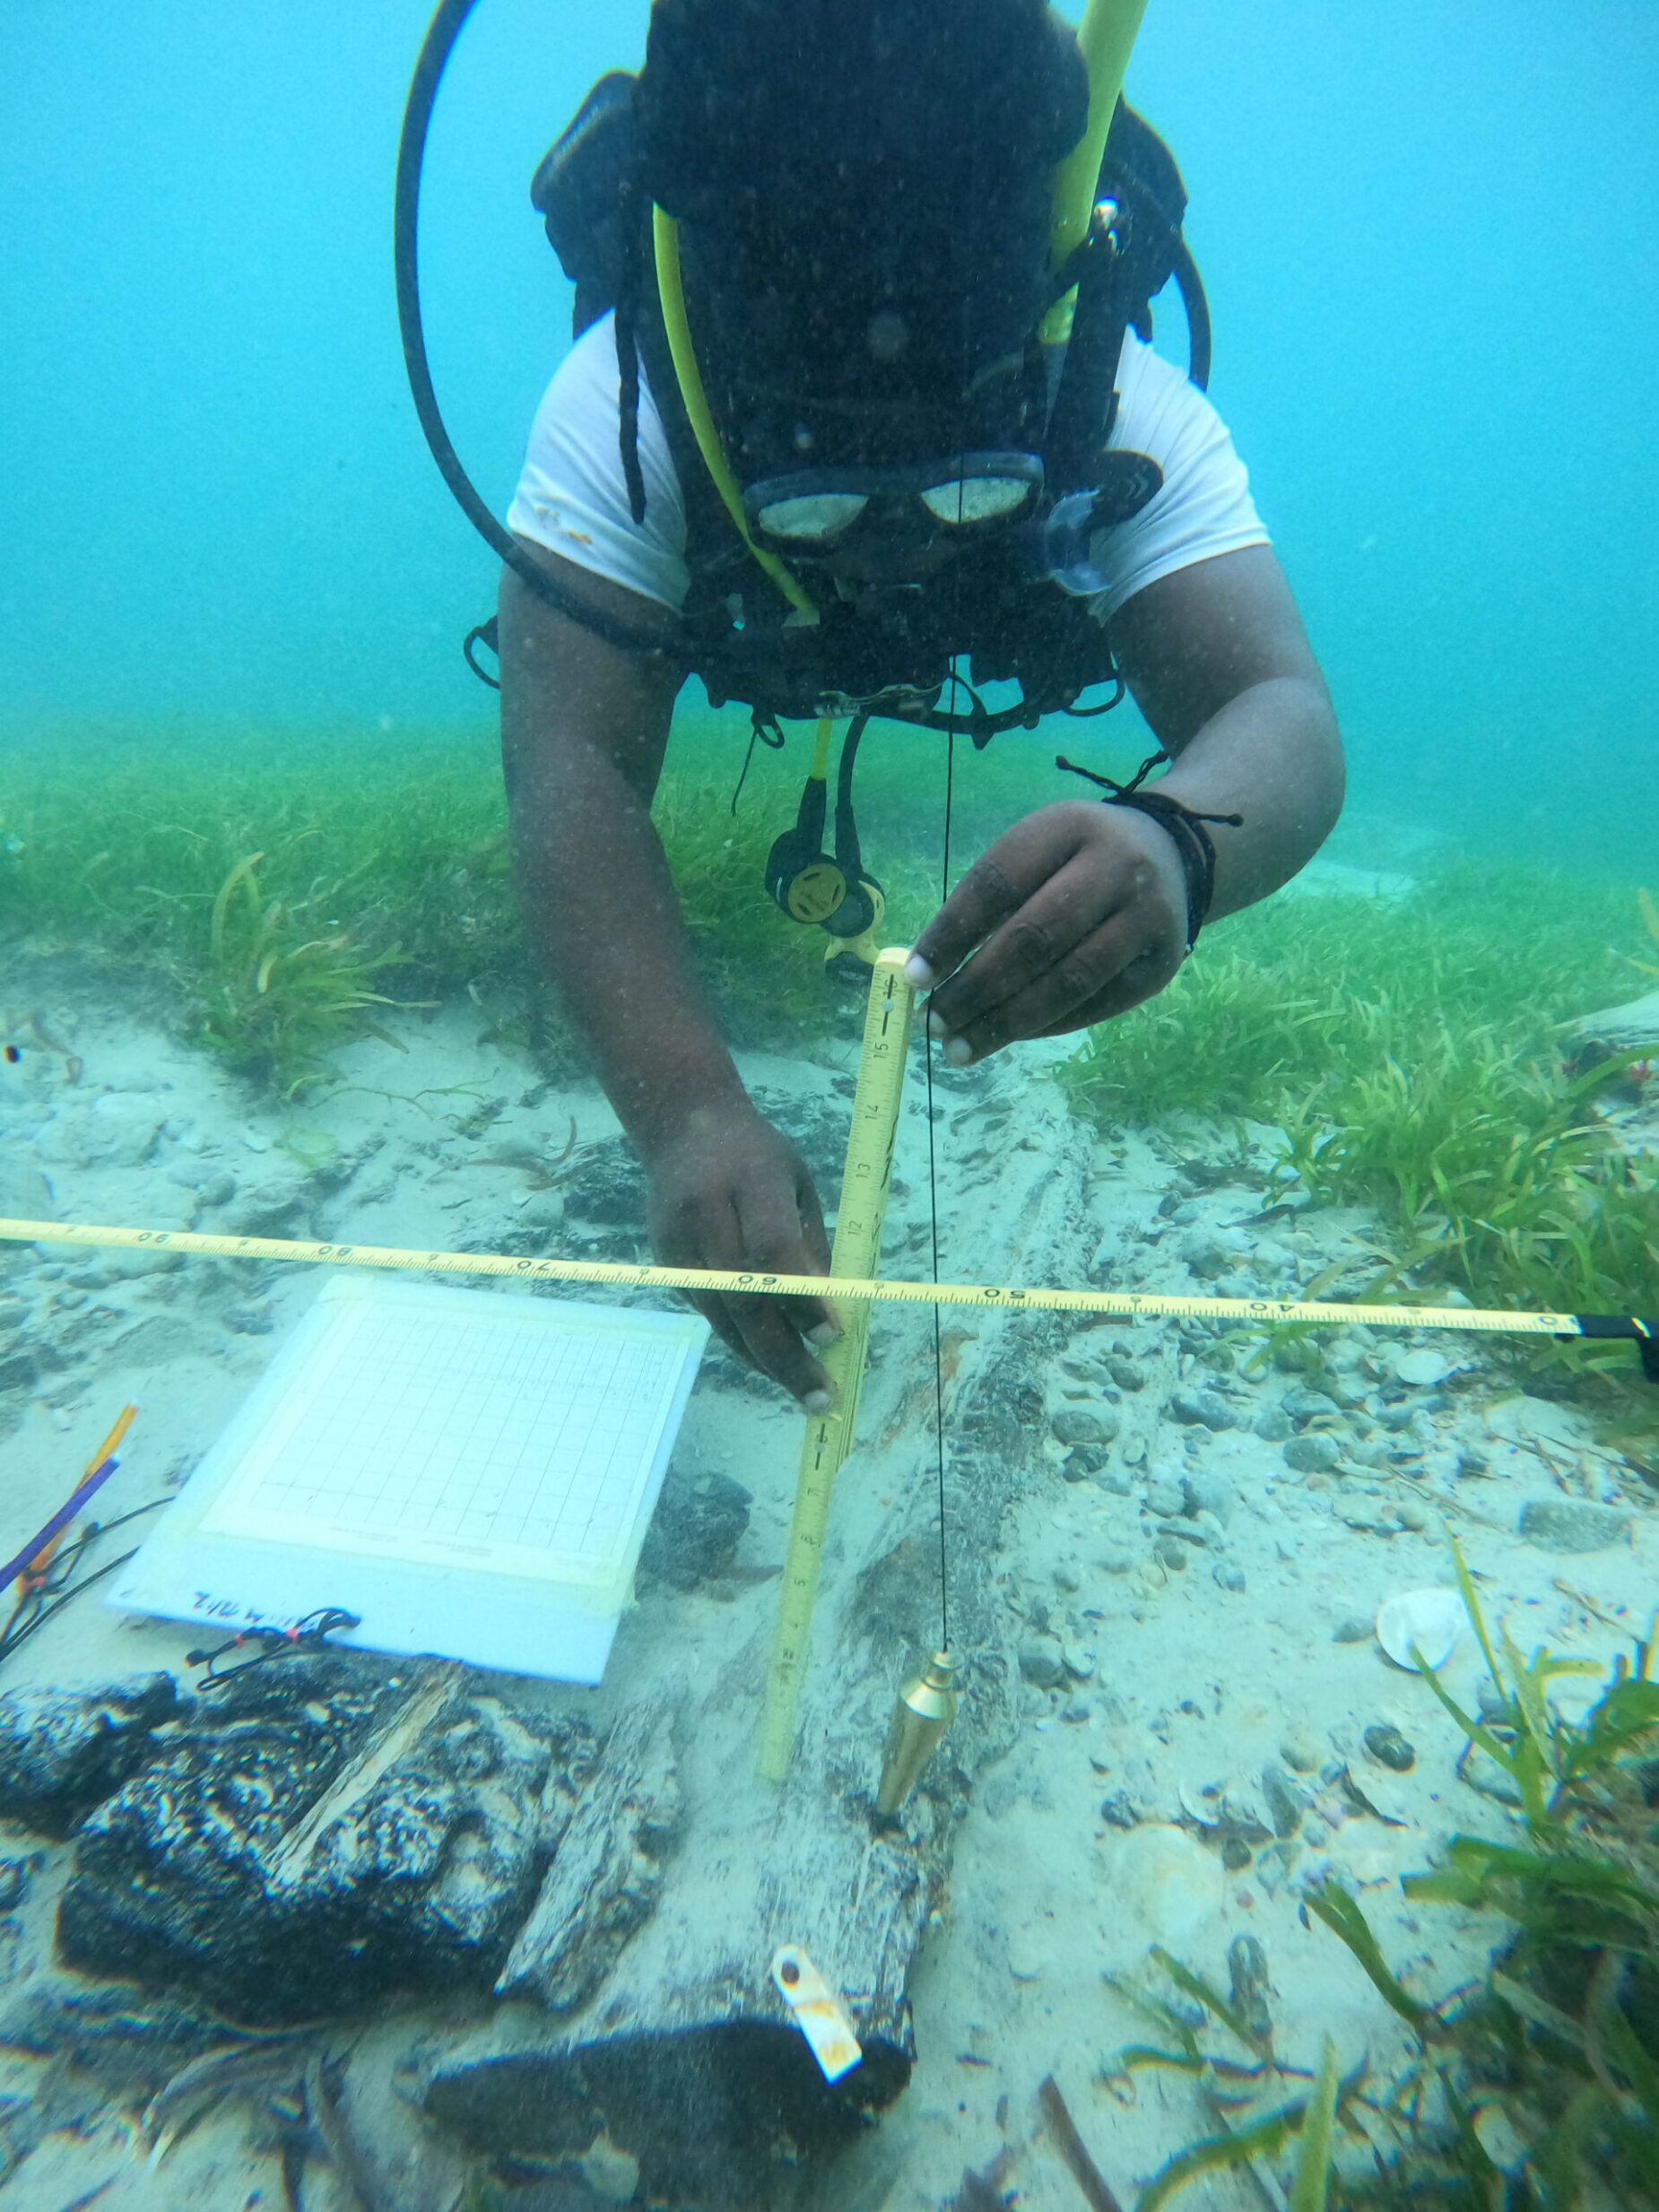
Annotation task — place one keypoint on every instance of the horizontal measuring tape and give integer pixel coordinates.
(1118, 1304)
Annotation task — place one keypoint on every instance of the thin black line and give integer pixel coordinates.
(933, 1200)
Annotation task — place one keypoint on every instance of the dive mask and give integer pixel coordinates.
(895, 508)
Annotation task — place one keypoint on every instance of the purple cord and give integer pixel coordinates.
(61, 1519)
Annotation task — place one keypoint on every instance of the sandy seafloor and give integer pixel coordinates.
(1182, 1681)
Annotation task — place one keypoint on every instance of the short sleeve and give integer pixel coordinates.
(572, 495)
(1204, 507)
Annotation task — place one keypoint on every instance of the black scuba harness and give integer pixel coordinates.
(1017, 608)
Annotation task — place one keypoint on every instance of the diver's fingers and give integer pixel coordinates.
(771, 1341)
(774, 1242)
(1056, 1003)
(816, 1318)
(998, 885)
(1056, 998)
(762, 1333)
(1060, 934)
(1139, 981)
(715, 1311)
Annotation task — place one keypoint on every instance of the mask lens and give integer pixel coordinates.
(977, 499)
(813, 517)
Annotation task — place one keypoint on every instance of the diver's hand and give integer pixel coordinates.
(728, 1190)
(1077, 912)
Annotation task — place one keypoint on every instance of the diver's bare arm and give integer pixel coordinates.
(1220, 666)
(583, 729)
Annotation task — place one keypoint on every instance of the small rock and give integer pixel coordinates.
(116, 1267)
(1202, 1253)
(1126, 1371)
(1042, 1661)
(1081, 1368)
(1314, 1453)
(695, 1529)
(1273, 1425)
(120, 1129)
(1308, 1405)
(1167, 1885)
(1206, 1490)
(1227, 1575)
(15, 1876)
(1355, 1629)
(1285, 1802)
(1117, 1561)
(611, 2172)
(1083, 1425)
(1367, 1515)
(1410, 1514)
(1483, 1771)
(1083, 1463)
(999, 1796)
(1119, 1810)
(1573, 1524)
(1202, 1408)
(1422, 1368)
(1390, 1748)
(1300, 1749)
(1066, 1577)
(1165, 1497)
(1025, 1963)
(1076, 1712)
(1249, 1985)
(1170, 1554)
(1187, 1531)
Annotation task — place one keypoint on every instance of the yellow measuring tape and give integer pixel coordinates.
(1116, 1304)
(829, 1435)
(853, 1283)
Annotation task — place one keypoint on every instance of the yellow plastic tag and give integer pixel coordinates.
(819, 2012)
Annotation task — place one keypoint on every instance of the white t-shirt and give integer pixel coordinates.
(572, 499)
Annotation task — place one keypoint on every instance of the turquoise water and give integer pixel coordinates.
(1424, 237)
(247, 786)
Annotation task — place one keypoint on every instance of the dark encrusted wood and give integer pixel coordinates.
(607, 1868)
(320, 1832)
(682, 2053)
(62, 1751)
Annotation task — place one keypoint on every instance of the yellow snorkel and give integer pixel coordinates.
(670, 292)
(1104, 38)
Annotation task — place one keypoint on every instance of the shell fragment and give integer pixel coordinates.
(1422, 1366)
(1431, 1620)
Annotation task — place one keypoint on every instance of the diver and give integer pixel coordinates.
(824, 439)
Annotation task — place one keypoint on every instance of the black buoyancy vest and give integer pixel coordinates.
(891, 652)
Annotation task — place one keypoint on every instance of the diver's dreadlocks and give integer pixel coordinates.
(856, 157)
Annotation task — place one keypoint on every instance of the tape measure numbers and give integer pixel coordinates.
(851, 1290)
(829, 1436)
